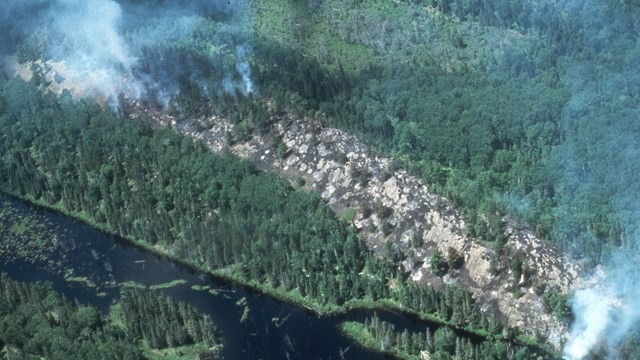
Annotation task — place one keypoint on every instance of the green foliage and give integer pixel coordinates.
(36, 321)
(454, 259)
(300, 182)
(162, 322)
(167, 285)
(383, 211)
(444, 343)
(514, 129)
(349, 216)
(558, 303)
(465, 131)
(444, 339)
(438, 264)
(217, 212)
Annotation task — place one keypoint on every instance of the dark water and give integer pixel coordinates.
(273, 330)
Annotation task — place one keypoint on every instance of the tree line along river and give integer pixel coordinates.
(90, 267)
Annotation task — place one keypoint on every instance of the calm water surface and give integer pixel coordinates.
(273, 329)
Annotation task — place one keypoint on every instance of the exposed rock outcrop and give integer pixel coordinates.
(396, 211)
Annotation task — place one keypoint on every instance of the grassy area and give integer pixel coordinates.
(188, 352)
(309, 33)
(169, 284)
(132, 285)
(358, 333)
(82, 280)
(200, 287)
(269, 20)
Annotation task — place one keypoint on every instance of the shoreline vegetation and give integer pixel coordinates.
(353, 330)
(39, 321)
(518, 112)
(230, 276)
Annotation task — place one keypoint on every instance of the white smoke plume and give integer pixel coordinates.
(244, 84)
(597, 174)
(94, 49)
(108, 49)
(606, 308)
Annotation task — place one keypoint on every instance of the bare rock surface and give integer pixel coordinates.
(396, 211)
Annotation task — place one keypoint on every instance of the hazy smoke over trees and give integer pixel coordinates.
(591, 49)
(595, 172)
(138, 49)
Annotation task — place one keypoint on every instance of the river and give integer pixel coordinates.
(90, 266)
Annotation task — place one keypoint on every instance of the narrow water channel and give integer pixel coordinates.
(101, 264)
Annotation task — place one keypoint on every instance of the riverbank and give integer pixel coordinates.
(251, 325)
(381, 336)
(392, 209)
(358, 333)
(234, 276)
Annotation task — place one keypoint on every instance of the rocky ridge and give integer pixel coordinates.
(394, 211)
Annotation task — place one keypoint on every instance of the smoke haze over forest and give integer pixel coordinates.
(598, 164)
(128, 47)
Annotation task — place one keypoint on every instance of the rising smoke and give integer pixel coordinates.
(134, 49)
(244, 84)
(598, 165)
(606, 309)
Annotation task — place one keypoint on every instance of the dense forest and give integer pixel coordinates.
(219, 213)
(515, 131)
(36, 321)
(440, 345)
(521, 111)
(508, 130)
(517, 111)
